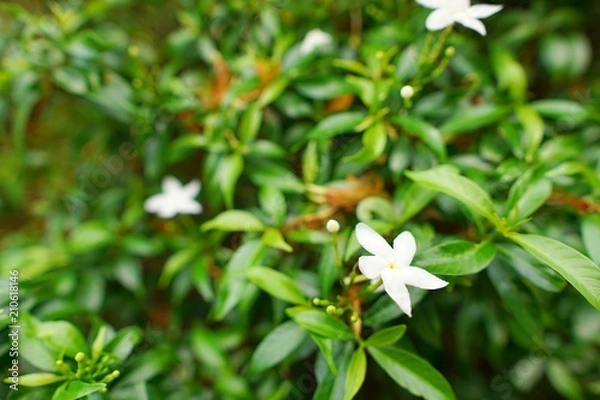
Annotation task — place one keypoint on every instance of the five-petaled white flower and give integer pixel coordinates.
(174, 199)
(313, 40)
(447, 12)
(393, 265)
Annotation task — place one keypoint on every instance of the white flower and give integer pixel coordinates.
(393, 265)
(448, 12)
(313, 40)
(174, 199)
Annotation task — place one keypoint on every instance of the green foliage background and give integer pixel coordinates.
(493, 165)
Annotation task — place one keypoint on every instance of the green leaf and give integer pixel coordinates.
(456, 257)
(276, 284)
(62, 336)
(122, 344)
(310, 162)
(273, 238)
(323, 87)
(273, 202)
(276, 346)
(386, 337)
(577, 269)
(326, 347)
(563, 380)
(533, 130)
(356, 373)
(40, 379)
(88, 237)
(559, 108)
(472, 118)
(71, 80)
(250, 123)
(518, 300)
(590, 233)
(374, 141)
(429, 134)
(446, 180)
(336, 124)
(323, 324)
(228, 172)
(76, 389)
(511, 75)
(531, 269)
(232, 286)
(265, 173)
(527, 194)
(414, 200)
(272, 91)
(385, 309)
(99, 342)
(234, 220)
(330, 386)
(175, 264)
(413, 373)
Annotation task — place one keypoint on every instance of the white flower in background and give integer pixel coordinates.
(447, 12)
(314, 39)
(392, 265)
(174, 199)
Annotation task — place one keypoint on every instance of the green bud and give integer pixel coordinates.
(450, 51)
(331, 309)
(316, 301)
(79, 357)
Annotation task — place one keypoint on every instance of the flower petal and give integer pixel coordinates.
(192, 189)
(432, 3)
(371, 266)
(373, 242)
(471, 23)
(153, 204)
(189, 207)
(439, 19)
(482, 10)
(396, 289)
(170, 184)
(418, 277)
(405, 248)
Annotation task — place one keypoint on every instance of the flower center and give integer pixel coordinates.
(392, 265)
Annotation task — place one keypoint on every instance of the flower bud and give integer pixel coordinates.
(407, 92)
(332, 226)
(79, 357)
(331, 309)
(450, 51)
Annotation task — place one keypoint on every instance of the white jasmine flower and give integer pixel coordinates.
(392, 265)
(174, 199)
(447, 12)
(314, 39)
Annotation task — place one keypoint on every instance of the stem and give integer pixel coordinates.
(338, 258)
(440, 43)
(425, 48)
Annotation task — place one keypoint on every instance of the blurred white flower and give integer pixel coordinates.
(174, 199)
(314, 39)
(447, 12)
(392, 265)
